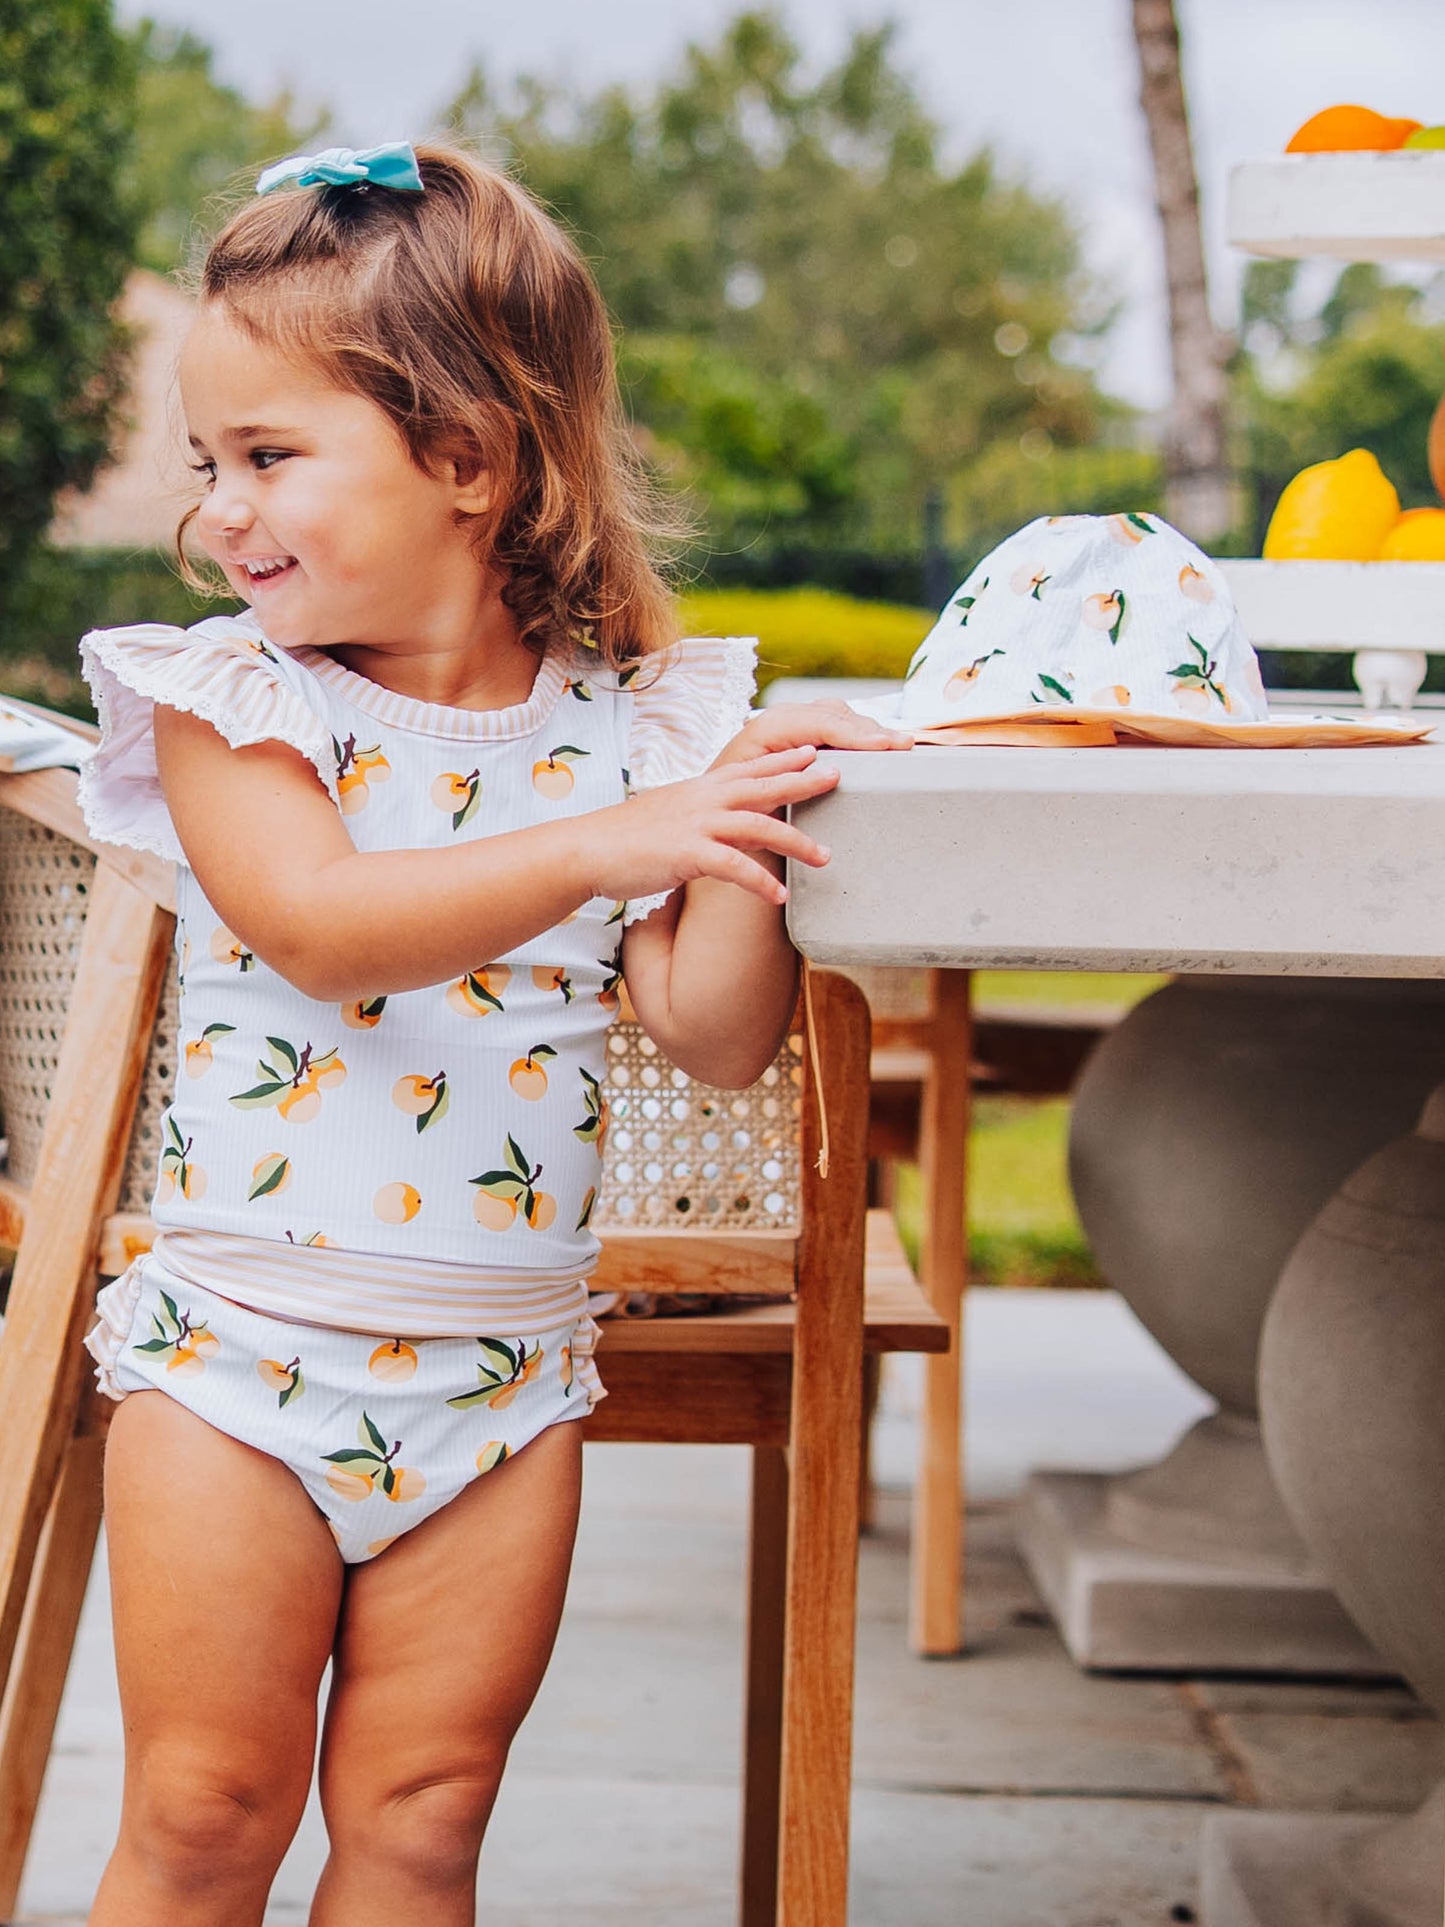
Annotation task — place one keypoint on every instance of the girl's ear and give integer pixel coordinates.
(474, 490)
(473, 479)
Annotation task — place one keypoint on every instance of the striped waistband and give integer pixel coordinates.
(359, 1291)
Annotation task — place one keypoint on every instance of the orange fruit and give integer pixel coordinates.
(349, 1485)
(1334, 511)
(1194, 584)
(393, 1362)
(450, 791)
(270, 1175)
(543, 1211)
(364, 1014)
(413, 1094)
(302, 1104)
(528, 1079)
(552, 780)
(493, 1213)
(227, 948)
(1418, 536)
(406, 1483)
(1349, 129)
(397, 1203)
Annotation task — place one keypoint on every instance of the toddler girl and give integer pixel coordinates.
(445, 784)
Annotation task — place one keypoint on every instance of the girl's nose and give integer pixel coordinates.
(225, 511)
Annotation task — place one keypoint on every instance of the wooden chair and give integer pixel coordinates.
(703, 1190)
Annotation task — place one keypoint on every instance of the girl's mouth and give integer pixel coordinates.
(265, 570)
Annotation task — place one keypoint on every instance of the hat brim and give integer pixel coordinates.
(1093, 728)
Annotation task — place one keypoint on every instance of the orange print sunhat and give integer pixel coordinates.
(1085, 630)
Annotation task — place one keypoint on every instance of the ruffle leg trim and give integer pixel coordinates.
(116, 1303)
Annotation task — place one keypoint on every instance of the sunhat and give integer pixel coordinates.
(1092, 629)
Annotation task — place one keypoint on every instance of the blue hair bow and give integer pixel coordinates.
(393, 166)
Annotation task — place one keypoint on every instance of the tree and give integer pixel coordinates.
(1365, 372)
(66, 240)
(823, 322)
(196, 137)
(1197, 492)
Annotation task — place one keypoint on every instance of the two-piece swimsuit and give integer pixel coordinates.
(373, 1218)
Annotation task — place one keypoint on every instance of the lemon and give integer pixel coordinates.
(1338, 511)
(1418, 536)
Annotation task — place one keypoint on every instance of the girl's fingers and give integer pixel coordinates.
(778, 792)
(773, 762)
(728, 865)
(834, 724)
(757, 832)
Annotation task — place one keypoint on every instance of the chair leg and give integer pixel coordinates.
(867, 1486)
(936, 1544)
(826, 1429)
(47, 1633)
(763, 1715)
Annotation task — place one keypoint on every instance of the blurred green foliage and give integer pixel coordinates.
(824, 321)
(199, 141)
(66, 241)
(1366, 371)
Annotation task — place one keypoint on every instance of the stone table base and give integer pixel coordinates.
(1321, 1870)
(1119, 1608)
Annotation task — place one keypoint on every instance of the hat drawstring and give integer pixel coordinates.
(810, 1031)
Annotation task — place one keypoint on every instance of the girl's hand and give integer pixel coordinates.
(703, 828)
(819, 725)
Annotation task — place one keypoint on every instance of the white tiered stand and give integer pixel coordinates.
(1347, 207)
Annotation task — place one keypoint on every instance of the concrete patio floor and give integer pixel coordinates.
(1000, 1789)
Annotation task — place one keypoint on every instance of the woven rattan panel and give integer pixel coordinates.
(685, 1156)
(890, 993)
(44, 883)
(138, 1181)
(679, 1154)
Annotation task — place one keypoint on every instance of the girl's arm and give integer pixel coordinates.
(275, 860)
(712, 975)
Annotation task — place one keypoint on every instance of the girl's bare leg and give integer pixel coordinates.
(443, 1642)
(225, 1586)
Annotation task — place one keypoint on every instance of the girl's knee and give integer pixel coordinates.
(200, 1824)
(429, 1832)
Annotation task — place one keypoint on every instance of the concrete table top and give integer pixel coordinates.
(1326, 862)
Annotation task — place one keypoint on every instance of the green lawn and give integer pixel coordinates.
(1023, 1229)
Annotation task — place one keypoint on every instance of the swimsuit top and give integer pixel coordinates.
(461, 1124)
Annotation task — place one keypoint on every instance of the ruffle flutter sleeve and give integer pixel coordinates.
(683, 716)
(222, 671)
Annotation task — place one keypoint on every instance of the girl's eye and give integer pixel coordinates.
(264, 458)
(206, 470)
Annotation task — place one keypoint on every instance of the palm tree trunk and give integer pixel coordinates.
(1197, 490)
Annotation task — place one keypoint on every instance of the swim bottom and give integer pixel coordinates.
(382, 1432)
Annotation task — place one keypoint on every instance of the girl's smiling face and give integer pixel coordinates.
(315, 510)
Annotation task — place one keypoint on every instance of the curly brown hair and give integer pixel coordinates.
(469, 317)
